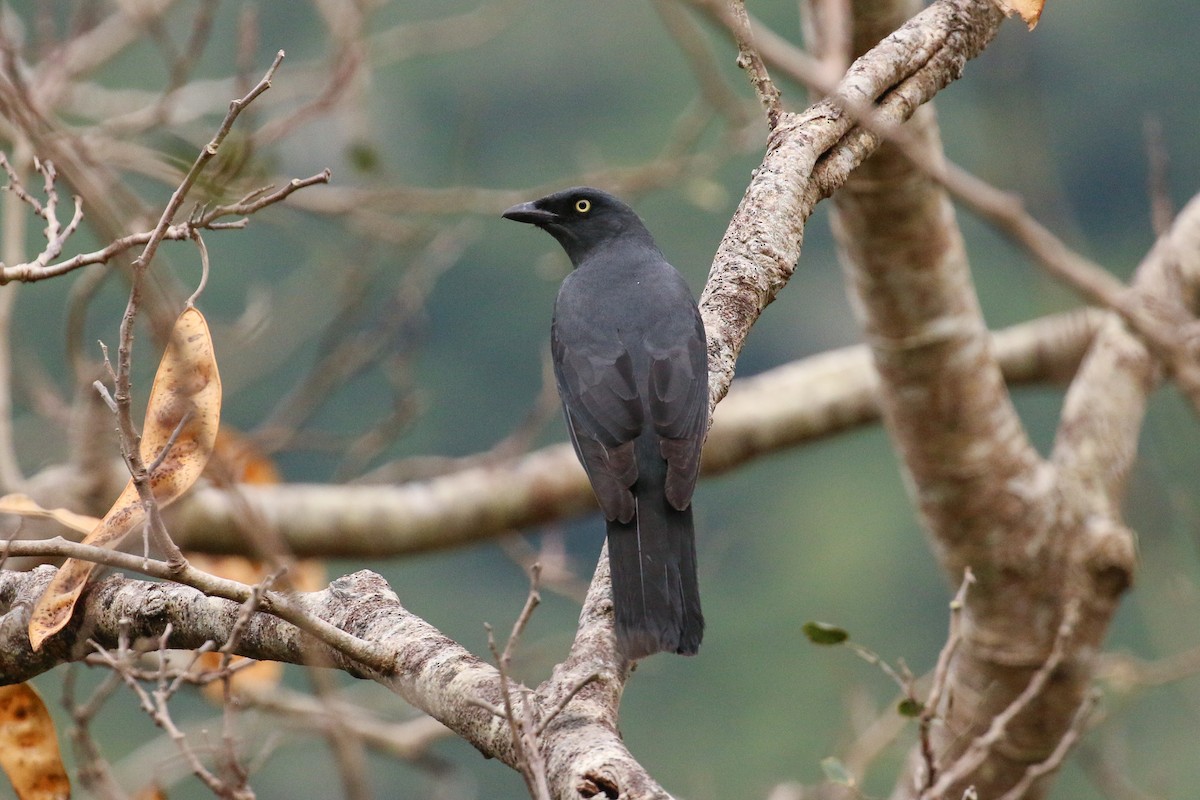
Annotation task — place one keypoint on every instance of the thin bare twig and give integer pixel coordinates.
(1077, 728)
(1160, 326)
(979, 749)
(156, 705)
(207, 153)
(940, 674)
(524, 727)
(93, 769)
(55, 233)
(213, 218)
(751, 60)
(130, 440)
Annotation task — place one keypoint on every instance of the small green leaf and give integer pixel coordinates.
(836, 772)
(363, 157)
(910, 707)
(824, 633)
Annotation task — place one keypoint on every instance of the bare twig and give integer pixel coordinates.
(548, 716)
(750, 60)
(213, 218)
(1160, 325)
(156, 705)
(56, 234)
(93, 768)
(1158, 185)
(982, 745)
(1070, 738)
(523, 723)
(941, 671)
(207, 153)
(690, 39)
(122, 395)
(409, 739)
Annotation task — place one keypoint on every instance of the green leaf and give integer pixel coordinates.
(836, 772)
(910, 707)
(824, 633)
(363, 157)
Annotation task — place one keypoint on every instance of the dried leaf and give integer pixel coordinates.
(186, 395)
(184, 411)
(29, 751)
(25, 506)
(1030, 10)
(235, 460)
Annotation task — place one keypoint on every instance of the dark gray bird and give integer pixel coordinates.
(631, 365)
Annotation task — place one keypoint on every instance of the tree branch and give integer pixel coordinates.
(760, 249)
(806, 400)
(580, 742)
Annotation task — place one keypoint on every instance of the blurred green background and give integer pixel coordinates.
(824, 532)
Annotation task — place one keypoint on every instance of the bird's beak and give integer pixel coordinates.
(529, 212)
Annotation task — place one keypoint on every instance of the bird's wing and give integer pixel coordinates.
(679, 410)
(604, 415)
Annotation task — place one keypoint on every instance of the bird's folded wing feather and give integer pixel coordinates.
(679, 412)
(604, 415)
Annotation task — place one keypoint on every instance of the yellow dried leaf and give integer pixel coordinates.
(1030, 10)
(25, 506)
(187, 395)
(185, 403)
(29, 751)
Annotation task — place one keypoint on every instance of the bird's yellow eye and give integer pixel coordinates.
(583, 206)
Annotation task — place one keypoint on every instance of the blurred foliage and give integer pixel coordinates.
(822, 533)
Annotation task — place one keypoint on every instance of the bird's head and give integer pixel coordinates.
(581, 219)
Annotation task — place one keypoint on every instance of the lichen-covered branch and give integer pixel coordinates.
(579, 741)
(762, 244)
(1045, 539)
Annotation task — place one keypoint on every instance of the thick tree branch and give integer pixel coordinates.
(579, 741)
(1043, 540)
(1102, 416)
(943, 393)
(762, 244)
(784, 407)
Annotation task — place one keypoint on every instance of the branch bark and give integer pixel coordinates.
(760, 249)
(1044, 538)
(583, 748)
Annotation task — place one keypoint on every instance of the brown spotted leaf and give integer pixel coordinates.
(29, 751)
(184, 411)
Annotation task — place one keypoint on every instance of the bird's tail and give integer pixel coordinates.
(656, 596)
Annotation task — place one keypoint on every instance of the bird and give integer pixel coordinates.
(631, 367)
